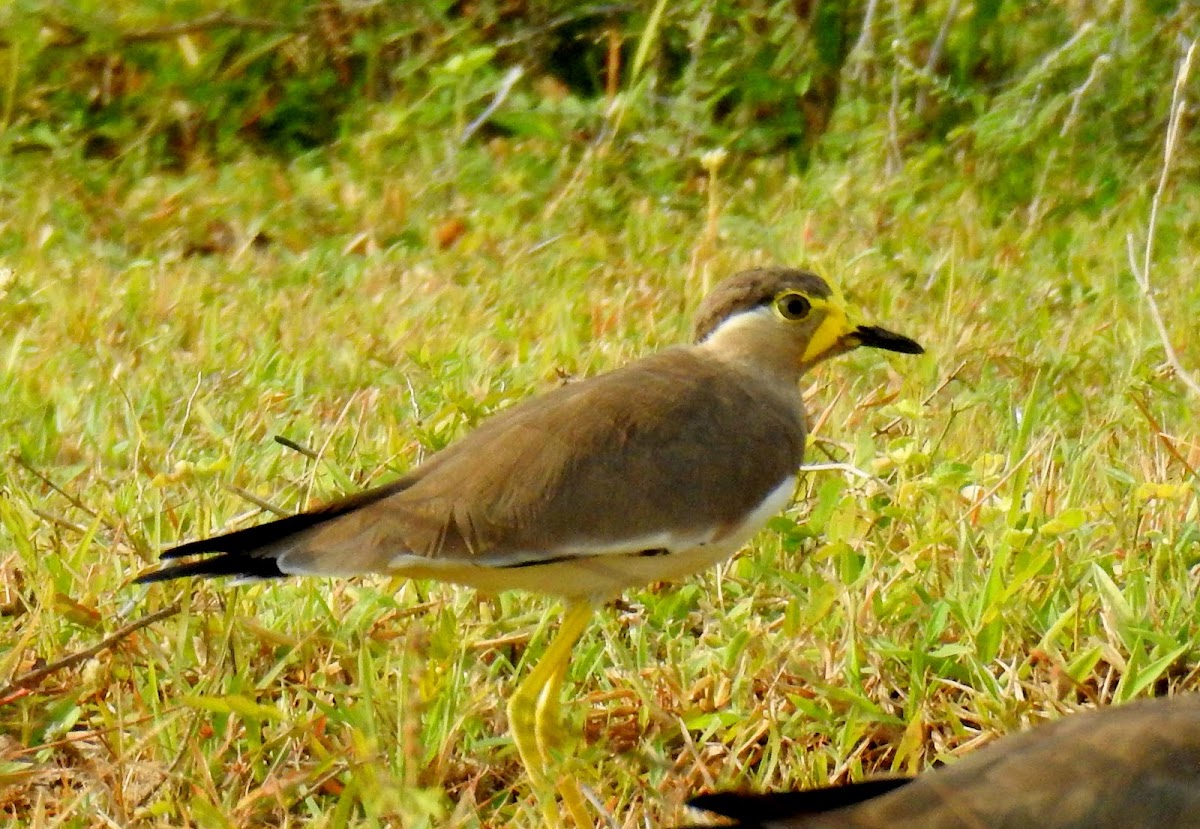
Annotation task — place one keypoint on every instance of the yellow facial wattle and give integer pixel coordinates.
(833, 327)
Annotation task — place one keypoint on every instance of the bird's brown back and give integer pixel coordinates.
(624, 455)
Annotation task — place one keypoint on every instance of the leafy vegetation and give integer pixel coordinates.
(365, 226)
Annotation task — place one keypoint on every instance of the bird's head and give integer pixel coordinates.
(786, 319)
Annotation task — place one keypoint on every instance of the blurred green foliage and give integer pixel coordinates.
(168, 81)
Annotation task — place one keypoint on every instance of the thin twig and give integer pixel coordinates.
(935, 56)
(935, 53)
(502, 92)
(67, 35)
(28, 467)
(311, 454)
(1099, 63)
(187, 415)
(610, 128)
(180, 754)
(849, 469)
(864, 47)
(312, 475)
(1163, 438)
(950, 378)
(34, 677)
(216, 20)
(1035, 74)
(1142, 272)
(59, 520)
(895, 156)
(564, 20)
(542, 245)
(258, 502)
(1035, 204)
(76, 737)
(976, 503)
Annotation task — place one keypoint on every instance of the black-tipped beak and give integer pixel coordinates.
(873, 336)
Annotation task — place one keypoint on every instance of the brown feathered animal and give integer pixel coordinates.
(1134, 766)
(648, 473)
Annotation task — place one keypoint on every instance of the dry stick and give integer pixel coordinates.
(59, 520)
(895, 156)
(598, 148)
(10, 101)
(75, 502)
(866, 37)
(976, 503)
(1166, 440)
(849, 469)
(1141, 273)
(935, 55)
(216, 20)
(258, 502)
(412, 390)
(187, 415)
(950, 378)
(312, 474)
(34, 677)
(563, 20)
(75, 737)
(501, 95)
(1045, 63)
(184, 745)
(706, 245)
(1035, 205)
(612, 62)
(311, 454)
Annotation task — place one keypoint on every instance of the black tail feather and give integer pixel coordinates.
(246, 541)
(244, 552)
(237, 551)
(225, 564)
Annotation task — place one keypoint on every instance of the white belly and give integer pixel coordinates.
(604, 575)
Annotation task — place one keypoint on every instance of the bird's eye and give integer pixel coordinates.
(793, 306)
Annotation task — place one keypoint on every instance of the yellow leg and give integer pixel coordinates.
(549, 731)
(533, 715)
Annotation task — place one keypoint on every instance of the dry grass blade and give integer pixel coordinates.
(1143, 272)
(32, 678)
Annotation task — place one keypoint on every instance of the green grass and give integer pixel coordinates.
(1027, 541)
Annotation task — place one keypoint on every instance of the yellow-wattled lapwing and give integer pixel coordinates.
(1134, 766)
(648, 473)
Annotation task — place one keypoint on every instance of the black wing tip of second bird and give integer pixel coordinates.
(225, 564)
(755, 809)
